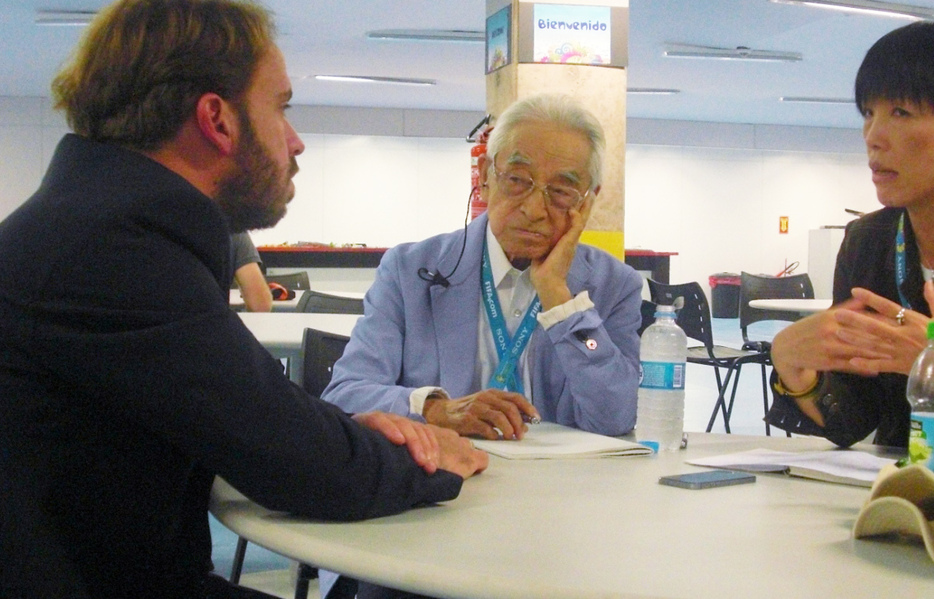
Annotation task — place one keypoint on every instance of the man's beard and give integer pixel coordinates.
(255, 195)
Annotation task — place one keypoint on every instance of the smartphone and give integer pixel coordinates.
(707, 479)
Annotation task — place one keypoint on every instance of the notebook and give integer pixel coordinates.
(844, 466)
(548, 440)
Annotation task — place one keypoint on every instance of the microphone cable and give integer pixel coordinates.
(436, 278)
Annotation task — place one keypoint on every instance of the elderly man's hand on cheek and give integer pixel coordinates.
(549, 273)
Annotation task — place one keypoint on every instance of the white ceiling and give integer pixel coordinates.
(328, 37)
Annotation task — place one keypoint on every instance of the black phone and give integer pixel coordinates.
(707, 479)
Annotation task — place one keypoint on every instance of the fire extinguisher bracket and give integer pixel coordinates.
(478, 137)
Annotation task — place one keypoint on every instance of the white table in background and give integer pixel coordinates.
(803, 306)
(236, 301)
(281, 333)
(602, 528)
(350, 294)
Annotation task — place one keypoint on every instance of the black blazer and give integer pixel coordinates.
(126, 384)
(853, 406)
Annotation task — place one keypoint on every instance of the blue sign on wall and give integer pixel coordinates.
(498, 37)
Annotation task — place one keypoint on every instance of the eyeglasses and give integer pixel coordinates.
(517, 187)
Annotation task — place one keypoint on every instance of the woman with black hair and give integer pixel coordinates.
(842, 373)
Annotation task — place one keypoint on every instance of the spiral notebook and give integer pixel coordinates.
(552, 441)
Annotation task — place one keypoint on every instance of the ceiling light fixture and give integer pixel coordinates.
(871, 7)
(366, 79)
(652, 91)
(809, 100)
(427, 35)
(64, 18)
(738, 53)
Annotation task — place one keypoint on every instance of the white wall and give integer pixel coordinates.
(720, 189)
(380, 191)
(712, 192)
(719, 209)
(29, 131)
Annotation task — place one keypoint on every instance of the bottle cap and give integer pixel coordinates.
(930, 329)
(664, 310)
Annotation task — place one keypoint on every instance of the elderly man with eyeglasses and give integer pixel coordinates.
(512, 319)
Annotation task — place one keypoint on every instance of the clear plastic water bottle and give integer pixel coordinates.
(920, 392)
(660, 412)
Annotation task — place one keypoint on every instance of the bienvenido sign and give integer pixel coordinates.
(572, 34)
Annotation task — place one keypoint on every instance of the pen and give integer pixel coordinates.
(531, 419)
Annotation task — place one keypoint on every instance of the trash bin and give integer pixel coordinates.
(724, 291)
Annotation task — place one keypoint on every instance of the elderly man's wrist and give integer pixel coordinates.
(555, 297)
(419, 396)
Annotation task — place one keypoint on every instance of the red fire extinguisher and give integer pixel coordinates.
(477, 205)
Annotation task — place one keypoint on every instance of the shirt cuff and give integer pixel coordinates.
(417, 398)
(579, 303)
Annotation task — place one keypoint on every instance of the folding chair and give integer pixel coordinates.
(694, 319)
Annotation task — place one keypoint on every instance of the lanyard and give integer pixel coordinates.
(509, 349)
(901, 268)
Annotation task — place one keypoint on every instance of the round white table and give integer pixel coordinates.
(602, 528)
(804, 306)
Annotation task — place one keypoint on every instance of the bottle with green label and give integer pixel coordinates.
(920, 393)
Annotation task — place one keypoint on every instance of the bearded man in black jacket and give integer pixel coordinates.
(126, 382)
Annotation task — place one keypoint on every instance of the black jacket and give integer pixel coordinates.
(126, 384)
(853, 406)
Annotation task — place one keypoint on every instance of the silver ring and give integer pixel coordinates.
(900, 317)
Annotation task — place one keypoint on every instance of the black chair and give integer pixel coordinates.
(694, 319)
(753, 287)
(320, 351)
(323, 303)
(648, 316)
(297, 281)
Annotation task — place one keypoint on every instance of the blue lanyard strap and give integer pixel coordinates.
(509, 349)
(901, 263)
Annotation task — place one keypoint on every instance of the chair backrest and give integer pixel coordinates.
(694, 316)
(324, 303)
(295, 280)
(321, 350)
(752, 287)
(648, 315)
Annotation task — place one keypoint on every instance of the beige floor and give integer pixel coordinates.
(280, 583)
